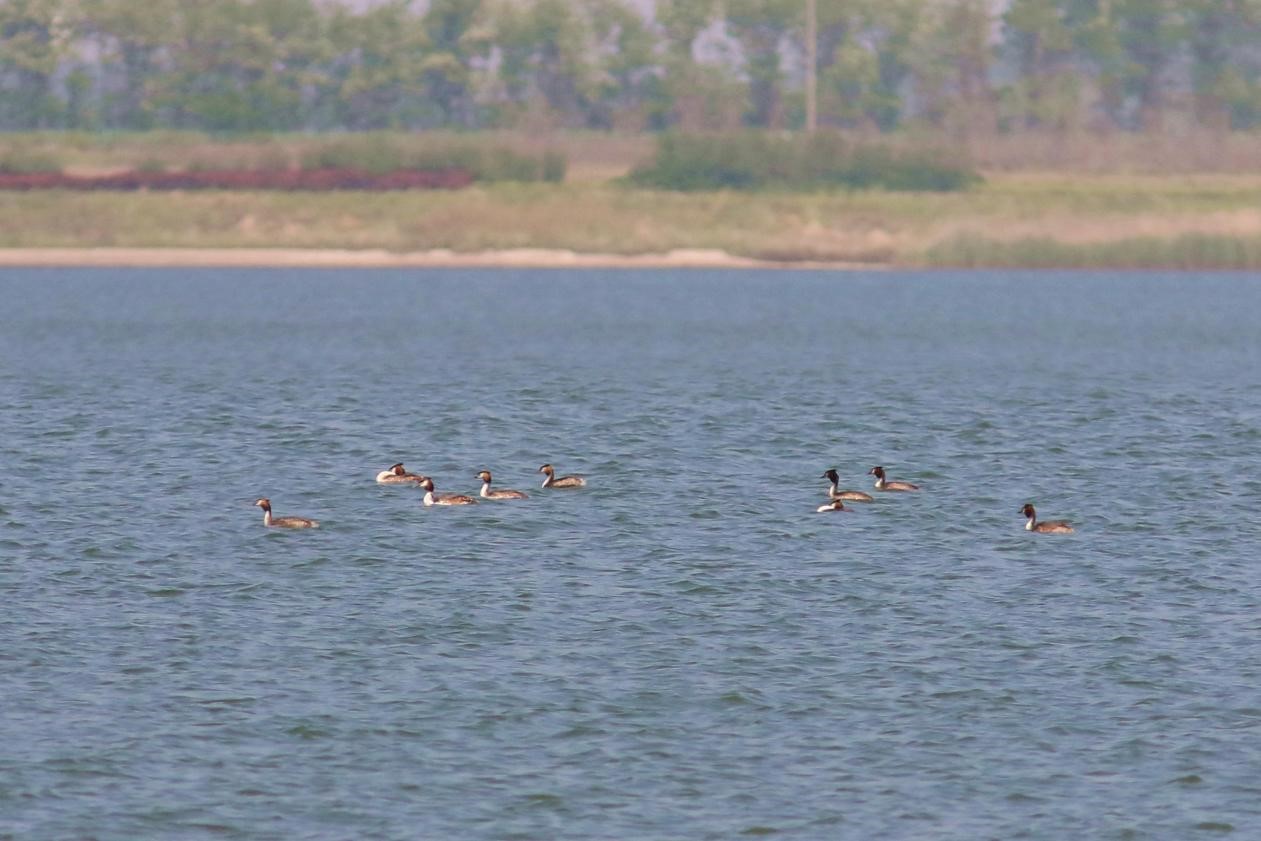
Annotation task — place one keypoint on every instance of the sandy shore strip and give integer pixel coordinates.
(540, 258)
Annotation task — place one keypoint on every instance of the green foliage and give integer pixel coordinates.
(554, 166)
(380, 153)
(761, 27)
(458, 39)
(152, 165)
(965, 66)
(1187, 252)
(260, 158)
(32, 46)
(373, 153)
(548, 59)
(378, 56)
(823, 161)
(20, 159)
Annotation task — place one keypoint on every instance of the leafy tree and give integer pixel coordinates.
(377, 65)
(681, 23)
(627, 77)
(238, 66)
(458, 39)
(1131, 47)
(950, 63)
(1224, 65)
(545, 52)
(1150, 33)
(863, 76)
(130, 40)
(761, 27)
(32, 45)
(1039, 43)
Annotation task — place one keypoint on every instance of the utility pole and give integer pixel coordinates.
(812, 66)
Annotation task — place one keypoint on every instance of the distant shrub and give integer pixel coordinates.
(753, 161)
(150, 165)
(215, 160)
(693, 162)
(201, 165)
(380, 153)
(19, 160)
(372, 153)
(554, 166)
(273, 159)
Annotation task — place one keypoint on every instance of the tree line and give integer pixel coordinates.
(313, 65)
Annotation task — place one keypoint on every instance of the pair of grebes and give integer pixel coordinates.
(398, 475)
(838, 497)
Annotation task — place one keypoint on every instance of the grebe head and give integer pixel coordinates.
(426, 483)
(548, 469)
(830, 474)
(1027, 510)
(263, 503)
(397, 469)
(484, 476)
(878, 472)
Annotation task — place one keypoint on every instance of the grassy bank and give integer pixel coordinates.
(1071, 221)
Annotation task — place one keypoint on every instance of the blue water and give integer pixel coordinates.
(685, 649)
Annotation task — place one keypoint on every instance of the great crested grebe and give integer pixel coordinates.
(396, 475)
(834, 505)
(834, 493)
(1048, 527)
(883, 484)
(432, 498)
(554, 481)
(487, 493)
(284, 522)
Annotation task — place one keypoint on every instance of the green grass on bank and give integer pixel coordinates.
(1186, 251)
(798, 162)
(487, 156)
(1147, 221)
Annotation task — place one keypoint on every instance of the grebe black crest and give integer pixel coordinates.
(432, 498)
(554, 481)
(488, 493)
(883, 484)
(284, 522)
(834, 505)
(1047, 527)
(834, 491)
(396, 475)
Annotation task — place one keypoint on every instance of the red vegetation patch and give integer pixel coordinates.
(300, 179)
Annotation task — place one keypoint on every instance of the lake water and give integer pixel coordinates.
(683, 650)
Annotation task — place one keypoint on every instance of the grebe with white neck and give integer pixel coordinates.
(835, 493)
(284, 522)
(396, 475)
(1046, 527)
(883, 484)
(432, 498)
(834, 505)
(487, 493)
(554, 481)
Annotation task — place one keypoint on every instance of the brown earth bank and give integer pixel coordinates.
(226, 179)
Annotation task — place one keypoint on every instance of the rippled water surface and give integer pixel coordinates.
(683, 650)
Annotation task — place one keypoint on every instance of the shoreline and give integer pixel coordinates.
(518, 258)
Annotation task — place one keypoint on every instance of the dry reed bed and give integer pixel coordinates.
(1183, 222)
(227, 179)
(600, 156)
